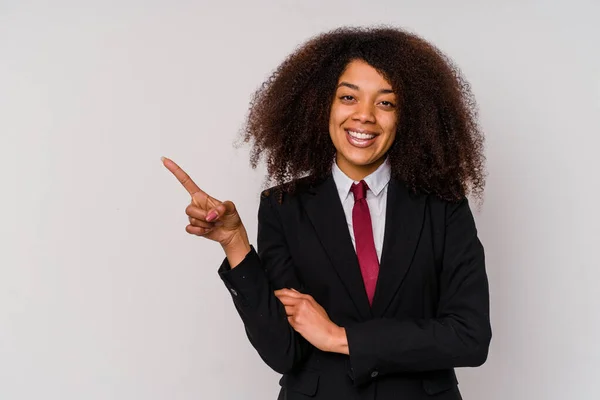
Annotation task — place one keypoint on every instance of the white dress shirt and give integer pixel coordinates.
(376, 199)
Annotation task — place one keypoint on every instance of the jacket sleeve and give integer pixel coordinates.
(460, 333)
(252, 284)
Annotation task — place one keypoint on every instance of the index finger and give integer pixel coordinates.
(182, 177)
(289, 293)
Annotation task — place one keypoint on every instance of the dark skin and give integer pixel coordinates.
(219, 221)
(438, 147)
(404, 101)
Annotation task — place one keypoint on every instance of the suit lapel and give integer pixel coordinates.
(325, 211)
(403, 225)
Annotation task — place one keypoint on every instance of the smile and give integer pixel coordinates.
(360, 139)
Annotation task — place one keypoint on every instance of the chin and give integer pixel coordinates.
(359, 157)
(360, 162)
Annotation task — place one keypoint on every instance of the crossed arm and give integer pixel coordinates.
(284, 324)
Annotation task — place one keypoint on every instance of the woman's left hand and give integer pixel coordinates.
(310, 320)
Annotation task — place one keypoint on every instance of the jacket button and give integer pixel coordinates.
(374, 374)
(234, 292)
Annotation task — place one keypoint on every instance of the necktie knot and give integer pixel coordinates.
(359, 190)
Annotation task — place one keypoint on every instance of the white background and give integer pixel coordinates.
(104, 296)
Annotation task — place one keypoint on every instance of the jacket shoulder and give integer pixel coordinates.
(290, 190)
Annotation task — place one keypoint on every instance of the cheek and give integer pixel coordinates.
(389, 126)
(390, 141)
(338, 116)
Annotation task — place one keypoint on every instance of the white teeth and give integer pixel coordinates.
(358, 135)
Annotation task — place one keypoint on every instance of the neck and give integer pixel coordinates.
(358, 172)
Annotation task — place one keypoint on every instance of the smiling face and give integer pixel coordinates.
(363, 119)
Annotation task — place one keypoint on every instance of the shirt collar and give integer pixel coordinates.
(376, 181)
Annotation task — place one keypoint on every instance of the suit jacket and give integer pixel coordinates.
(429, 315)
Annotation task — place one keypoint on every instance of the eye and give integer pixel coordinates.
(388, 104)
(346, 98)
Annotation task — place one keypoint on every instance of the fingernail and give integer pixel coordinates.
(162, 158)
(211, 215)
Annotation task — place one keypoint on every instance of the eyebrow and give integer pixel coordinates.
(352, 86)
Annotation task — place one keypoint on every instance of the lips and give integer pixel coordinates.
(360, 138)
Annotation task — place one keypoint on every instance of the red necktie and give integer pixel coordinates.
(363, 236)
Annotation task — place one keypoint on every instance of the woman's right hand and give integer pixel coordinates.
(213, 219)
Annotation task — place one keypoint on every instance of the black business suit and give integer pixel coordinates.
(430, 312)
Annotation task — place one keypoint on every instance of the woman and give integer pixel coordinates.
(369, 281)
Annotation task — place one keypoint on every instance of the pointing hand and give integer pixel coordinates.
(211, 218)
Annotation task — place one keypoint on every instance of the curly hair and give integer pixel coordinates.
(438, 147)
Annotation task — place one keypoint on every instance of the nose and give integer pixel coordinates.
(364, 113)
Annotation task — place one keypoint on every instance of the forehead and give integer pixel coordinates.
(363, 75)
